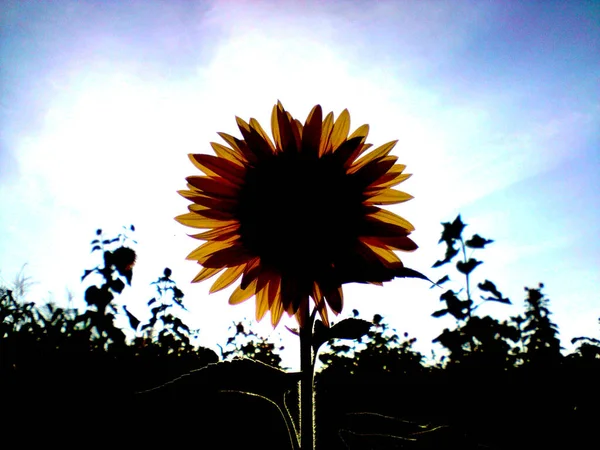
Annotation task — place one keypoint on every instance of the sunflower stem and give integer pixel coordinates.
(307, 406)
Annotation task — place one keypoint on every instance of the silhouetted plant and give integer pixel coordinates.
(245, 343)
(540, 340)
(380, 350)
(117, 266)
(589, 348)
(164, 326)
(479, 340)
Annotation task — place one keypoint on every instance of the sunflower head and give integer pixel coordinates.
(297, 216)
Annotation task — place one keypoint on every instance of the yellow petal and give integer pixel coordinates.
(320, 304)
(275, 128)
(233, 156)
(195, 221)
(219, 234)
(390, 218)
(388, 181)
(213, 165)
(227, 278)
(325, 146)
(341, 127)
(387, 256)
(254, 124)
(205, 274)
(207, 249)
(363, 130)
(262, 302)
(388, 197)
(379, 152)
(241, 295)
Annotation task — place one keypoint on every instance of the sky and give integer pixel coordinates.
(495, 106)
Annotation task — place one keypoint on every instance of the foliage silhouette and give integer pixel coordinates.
(245, 343)
(503, 384)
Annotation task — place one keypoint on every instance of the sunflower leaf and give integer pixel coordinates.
(405, 272)
(351, 328)
(258, 379)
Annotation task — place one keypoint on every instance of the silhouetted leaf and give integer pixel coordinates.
(132, 228)
(452, 231)
(488, 286)
(117, 285)
(167, 272)
(258, 378)
(158, 309)
(467, 267)
(134, 322)
(85, 274)
(478, 242)
(95, 247)
(151, 302)
(440, 313)
(405, 272)
(451, 252)
(497, 299)
(98, 231)
(351, 328)
(441, 281)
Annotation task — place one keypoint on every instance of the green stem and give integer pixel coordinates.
(307, 408)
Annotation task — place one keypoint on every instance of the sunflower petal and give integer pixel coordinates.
(335, 299)
(341, 127)
(240, 295)
(371, 172)
(388, 197)
(206, 273)
(262, 302)
(325, 144)
(234, 255)
(317, 296)
(220, 204)
(213, 165)
(403, 243)
(240, 146)
(388, 180)
(251, 272)
(259, 129)
(219, 234)
(195, 221)
(311, 135)
(343, 154)
(214, 187)
(389, 217)
(275, 128)
(210, 213)
(379, 152)
(256, 144)
(207, 249)
(227, 278)
(286, 134)
(363, 131)
(388, 257)
(231, 155)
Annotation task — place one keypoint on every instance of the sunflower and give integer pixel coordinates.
(298, 216)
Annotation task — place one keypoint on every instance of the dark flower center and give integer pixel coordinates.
(299, 213)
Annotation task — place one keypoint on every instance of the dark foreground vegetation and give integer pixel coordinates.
(73, 379)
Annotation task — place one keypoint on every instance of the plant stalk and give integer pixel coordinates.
(307, 407)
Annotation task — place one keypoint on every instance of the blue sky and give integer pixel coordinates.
(495, 105)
